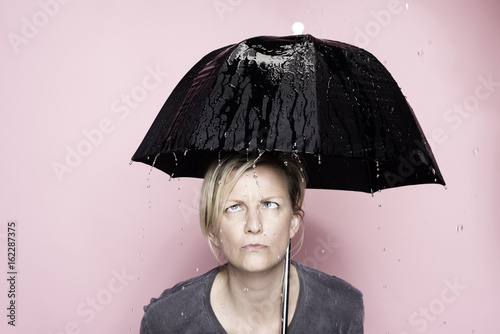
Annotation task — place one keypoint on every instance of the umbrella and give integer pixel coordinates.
(333, 104)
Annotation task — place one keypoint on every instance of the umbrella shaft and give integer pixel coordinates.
(286, 281)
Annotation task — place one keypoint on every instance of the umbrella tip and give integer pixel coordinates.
(298, 28)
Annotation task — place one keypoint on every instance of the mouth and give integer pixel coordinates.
(254, 247)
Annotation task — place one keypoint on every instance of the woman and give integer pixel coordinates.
(249, 211)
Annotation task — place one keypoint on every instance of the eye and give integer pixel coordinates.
(270, 205)
(234, 208)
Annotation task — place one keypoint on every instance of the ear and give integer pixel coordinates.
(212, 238)
(295, 225)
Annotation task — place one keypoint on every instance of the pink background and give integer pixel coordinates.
(99, 238)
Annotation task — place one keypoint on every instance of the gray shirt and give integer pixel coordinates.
(326, 304)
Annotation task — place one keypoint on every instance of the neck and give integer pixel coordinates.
(255, 287)
(253, 299)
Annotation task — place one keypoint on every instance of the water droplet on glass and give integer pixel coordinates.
(182, 314)
(322, 251)
(197, 269)
(460, 228)
(245, 289)
(380, 205)
(475, 151)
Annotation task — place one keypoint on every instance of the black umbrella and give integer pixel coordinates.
(333, 104)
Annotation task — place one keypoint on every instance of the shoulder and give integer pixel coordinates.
(178, 307)
(322, 282)
(330, 293)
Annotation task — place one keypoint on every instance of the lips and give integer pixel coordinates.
(254, 247)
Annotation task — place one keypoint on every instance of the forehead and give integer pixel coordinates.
(265, 177)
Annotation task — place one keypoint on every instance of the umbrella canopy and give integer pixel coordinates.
(333, 104)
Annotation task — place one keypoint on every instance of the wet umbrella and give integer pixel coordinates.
(333, 104)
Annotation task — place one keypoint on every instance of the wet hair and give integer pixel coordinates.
(223, 174)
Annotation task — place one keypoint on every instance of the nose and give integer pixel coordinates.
(253, 223)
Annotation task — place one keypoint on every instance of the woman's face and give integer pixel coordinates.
(258, 221)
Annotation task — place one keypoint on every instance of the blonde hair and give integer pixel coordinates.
(223, 174)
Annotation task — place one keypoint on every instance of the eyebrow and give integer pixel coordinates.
(266, 199)
(263, 199)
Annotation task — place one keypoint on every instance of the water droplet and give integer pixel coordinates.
(380, 205)
(475, 151)
(197, 269)
(245, 289)
(285, 163)
(407, 5)
(460, 228)
(182, 314)
(322, 251)
(383, 249)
